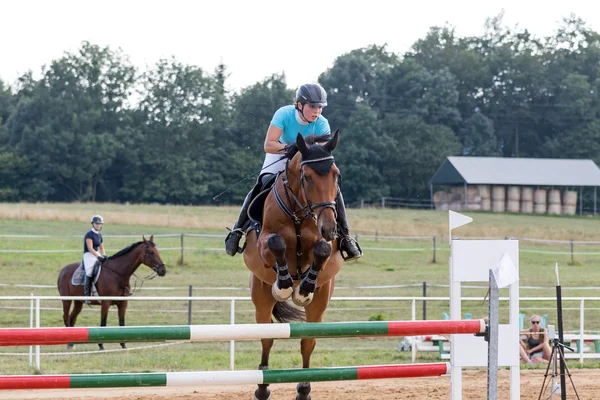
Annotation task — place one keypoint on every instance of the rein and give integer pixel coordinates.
(303, 212)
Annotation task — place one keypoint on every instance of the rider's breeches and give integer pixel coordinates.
(89, 260)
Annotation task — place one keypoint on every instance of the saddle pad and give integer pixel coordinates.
(77, 278)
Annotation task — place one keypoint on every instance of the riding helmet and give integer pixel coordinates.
(313, 94)
(97, 219)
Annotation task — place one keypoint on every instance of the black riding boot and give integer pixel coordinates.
(348, 244)
(87, 286)
(232, 241)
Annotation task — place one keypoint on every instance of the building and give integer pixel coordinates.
(525, 185)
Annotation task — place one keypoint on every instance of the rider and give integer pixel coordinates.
(303, 117)
(93, 250)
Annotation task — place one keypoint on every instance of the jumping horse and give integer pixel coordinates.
(296, 252)
(114, 278)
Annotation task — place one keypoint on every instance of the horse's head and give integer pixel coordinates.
(318, 181)
(152, 258)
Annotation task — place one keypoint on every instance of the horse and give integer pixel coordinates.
(113, 281)
(297, 239)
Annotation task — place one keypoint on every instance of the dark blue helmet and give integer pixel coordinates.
(97, 219)
(313, 94)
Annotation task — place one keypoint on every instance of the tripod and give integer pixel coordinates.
(557, 348)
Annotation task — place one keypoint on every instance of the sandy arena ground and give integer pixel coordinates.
(586, 381)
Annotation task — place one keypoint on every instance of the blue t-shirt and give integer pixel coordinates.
(285, 118)
(96, 240)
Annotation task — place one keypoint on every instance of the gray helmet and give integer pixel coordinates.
(313, 94)
(97, 219)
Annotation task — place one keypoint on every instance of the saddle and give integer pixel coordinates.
(77, 279)
(255, 210)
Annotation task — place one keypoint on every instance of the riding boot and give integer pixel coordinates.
(232, 241)
(348, 244)
(87, 287)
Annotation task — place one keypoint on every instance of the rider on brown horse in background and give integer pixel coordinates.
(93, 251)
(303, 117)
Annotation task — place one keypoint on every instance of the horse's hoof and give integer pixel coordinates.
(100, 347)
(281, 294)
(260, 394)
(123, 346)
(303, 389)
(301, 300)
(69, 347)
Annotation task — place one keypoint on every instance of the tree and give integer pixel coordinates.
(66, 123)
(174, 138)
(477, 136)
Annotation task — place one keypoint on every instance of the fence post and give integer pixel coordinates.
(434, 248)
(190, 305)
(424, 301)
(572, 255)
(376, 234)
(362, 203)
(232, 342)
(382, 202)
(181, 260)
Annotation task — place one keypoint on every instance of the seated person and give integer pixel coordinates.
(523, 356)
(535, 341)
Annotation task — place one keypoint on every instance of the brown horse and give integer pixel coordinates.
(113, 281)
(298, 239)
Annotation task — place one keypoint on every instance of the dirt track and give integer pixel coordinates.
(586, 381)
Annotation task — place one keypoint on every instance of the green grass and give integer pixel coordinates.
(205, 270)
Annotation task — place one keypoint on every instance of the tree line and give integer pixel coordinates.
(93, 127)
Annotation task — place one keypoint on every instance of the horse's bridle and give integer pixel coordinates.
(156, 267)
(309, 209)
(306, 211)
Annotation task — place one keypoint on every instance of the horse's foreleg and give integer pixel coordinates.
(122, 307)
(303, 294)
(103, 315)
(282, 289)
(263, 303)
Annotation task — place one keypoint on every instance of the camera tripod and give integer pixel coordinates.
(557, 348)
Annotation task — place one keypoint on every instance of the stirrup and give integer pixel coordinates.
(352, 242)
(238, 236)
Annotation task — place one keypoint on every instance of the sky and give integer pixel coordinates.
(253, 38)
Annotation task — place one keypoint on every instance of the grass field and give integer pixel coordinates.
(387, 261)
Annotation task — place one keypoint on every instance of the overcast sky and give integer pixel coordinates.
(253, 38)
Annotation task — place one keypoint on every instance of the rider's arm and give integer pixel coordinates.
(272, 144)
(90, 247)
(101, 248)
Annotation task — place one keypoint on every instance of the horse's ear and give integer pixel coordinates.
(302, 147)
(144, 238)
(152, 238)
(330, 145)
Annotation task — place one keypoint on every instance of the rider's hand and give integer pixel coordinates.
(290, 150)
(101, 258)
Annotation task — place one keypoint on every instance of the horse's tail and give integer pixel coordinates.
(284, 312)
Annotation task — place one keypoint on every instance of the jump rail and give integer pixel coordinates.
(206, 333)
(206, 378)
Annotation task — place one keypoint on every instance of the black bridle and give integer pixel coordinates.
(303, 212)
(149, 277)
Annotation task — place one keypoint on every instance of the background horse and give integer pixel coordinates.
(299, 212)
(113, 281)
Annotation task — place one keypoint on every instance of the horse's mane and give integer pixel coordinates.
(128, 249)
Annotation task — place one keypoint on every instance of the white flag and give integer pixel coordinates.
(505, 272)
(457, 220)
